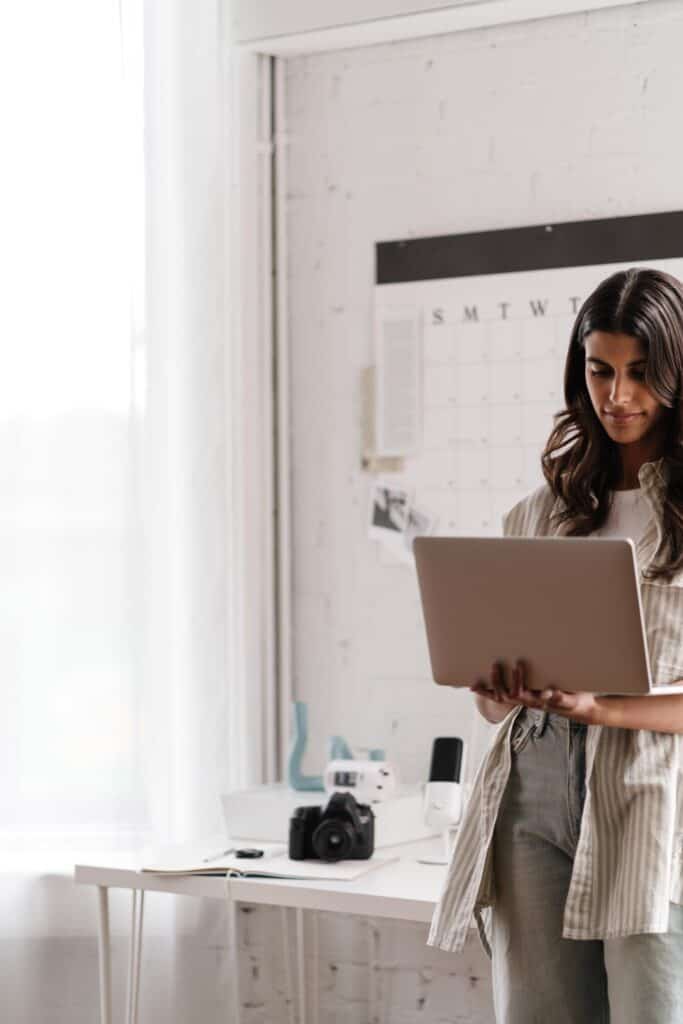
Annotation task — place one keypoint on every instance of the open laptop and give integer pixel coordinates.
(569, 606)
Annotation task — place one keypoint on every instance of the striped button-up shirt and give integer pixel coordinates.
(629, 857)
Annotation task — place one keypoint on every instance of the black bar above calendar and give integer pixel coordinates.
(652, 236)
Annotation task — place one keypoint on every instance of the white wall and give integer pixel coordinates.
(564, 119)
(571, 118)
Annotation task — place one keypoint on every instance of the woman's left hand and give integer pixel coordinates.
(580, 707)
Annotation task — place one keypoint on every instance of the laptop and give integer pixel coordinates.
(568, 606)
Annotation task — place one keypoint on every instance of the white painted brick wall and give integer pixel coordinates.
(410, 981)
(561, 119)
(569, 118)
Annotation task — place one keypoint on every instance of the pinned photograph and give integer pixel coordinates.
(390, 507)
(395, 521)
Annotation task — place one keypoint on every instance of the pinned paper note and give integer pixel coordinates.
(398, 354)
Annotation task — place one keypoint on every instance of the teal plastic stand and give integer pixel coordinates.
(295, 778)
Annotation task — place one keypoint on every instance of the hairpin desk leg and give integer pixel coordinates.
(104, 954)
(139, 957)
(131, 955)
(135, 955)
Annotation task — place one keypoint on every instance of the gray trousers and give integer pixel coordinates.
(539, 977)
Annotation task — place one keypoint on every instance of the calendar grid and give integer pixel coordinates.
(493, 354)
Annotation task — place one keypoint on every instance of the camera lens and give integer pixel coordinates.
(333, 840)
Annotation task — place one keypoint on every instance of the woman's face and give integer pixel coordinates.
(615, 378)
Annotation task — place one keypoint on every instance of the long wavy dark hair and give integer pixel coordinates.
(580, 461)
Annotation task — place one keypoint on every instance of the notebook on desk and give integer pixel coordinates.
(203, 860)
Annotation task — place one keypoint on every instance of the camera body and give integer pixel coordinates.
(342, 830)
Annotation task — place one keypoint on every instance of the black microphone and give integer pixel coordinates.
(446, 763)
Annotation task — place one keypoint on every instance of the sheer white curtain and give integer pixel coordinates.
(187, 475)
(120, 692)
(71, 250)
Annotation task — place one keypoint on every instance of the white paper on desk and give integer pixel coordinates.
(196, 859)
(311, 870)
(274, 864)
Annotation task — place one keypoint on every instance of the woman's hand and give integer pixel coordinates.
(493, 700)
(580, 707)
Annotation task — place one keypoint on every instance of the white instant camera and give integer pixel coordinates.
(370, 782)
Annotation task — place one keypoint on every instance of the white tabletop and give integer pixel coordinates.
(403, 889)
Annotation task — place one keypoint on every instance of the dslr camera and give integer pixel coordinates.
(343, 830)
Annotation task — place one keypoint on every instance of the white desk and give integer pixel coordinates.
(403, 890)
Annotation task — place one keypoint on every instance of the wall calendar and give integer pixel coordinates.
(471, 334)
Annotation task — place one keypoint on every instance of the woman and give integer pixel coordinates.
(570, 854)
